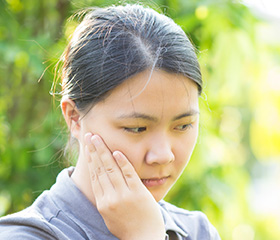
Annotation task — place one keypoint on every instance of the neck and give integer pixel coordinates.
(81, 178)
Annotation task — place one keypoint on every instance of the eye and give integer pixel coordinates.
(135, 129)
(183, 127)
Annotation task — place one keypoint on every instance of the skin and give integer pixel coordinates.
(133, 147)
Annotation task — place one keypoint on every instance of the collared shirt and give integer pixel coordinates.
(63, 212)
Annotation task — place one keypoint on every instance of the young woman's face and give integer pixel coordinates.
(154, 123)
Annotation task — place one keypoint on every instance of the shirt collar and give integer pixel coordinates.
(73, 202)
(170, 224)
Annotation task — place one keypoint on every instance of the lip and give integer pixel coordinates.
(154, 182)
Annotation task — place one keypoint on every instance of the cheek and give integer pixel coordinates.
(182, 157)
(135, 153)
(184, 149)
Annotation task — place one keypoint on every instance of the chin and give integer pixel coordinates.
(158, 196)
(159, 192)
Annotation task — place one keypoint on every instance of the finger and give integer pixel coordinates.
(96, 187)
(99, 177)
(109, 163)
(131, 177)
(90, 146)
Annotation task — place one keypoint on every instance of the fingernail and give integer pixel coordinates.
(116, 155)
(96, 140)
(119, 158)
(89, 144)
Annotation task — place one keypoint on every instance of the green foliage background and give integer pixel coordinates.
(240, 119)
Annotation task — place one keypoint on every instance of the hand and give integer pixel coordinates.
(129, 210)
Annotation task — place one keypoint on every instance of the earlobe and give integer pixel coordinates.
(71, 115)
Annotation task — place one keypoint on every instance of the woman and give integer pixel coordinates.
(131, 83)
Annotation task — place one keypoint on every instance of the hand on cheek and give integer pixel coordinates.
(127, 207)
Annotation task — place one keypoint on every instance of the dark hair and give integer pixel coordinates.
(112, 44)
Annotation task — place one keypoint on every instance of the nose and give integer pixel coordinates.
(159, 152)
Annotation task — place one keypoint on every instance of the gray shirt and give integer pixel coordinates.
(63, 212)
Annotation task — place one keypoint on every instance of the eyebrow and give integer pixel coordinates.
(136, 115)
(186, 114)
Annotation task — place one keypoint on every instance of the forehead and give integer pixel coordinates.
(153, 92)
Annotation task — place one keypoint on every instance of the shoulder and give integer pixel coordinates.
(49, 217)
(34, 222)
(195, 223)
(26, 224)
(180, 213)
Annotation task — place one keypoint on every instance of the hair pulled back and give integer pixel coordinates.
(112, 44)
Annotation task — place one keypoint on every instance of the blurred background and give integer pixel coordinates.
(234, 174)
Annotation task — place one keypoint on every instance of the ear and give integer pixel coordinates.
(71, 116)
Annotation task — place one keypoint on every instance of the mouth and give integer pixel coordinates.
(153, 182)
